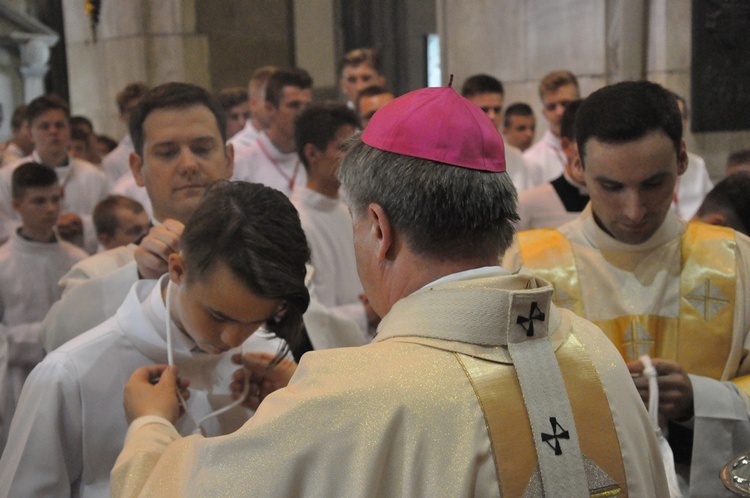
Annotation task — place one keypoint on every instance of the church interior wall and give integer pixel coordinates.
(519, 41)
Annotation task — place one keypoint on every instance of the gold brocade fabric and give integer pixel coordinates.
(499, 395)
(707, 295)
(550, 255)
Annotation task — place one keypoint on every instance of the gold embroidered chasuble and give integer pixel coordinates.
(401, 417)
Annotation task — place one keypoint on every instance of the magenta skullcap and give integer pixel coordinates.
(439, 125)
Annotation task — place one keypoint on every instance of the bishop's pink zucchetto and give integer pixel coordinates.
(439, 125)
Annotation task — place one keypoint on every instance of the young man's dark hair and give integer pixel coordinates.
(516, 109)
(318, 124)
(45, 103)
(640, 106)
(129, 93)
(730, 199)
(20, 114)
(231, 97)
(481, 83)
(105, 213)
(567, 125)
(289, 76)
(369, 56)
(29, 175)
(371, 91)
(170, 96)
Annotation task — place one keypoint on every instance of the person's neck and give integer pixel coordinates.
(256, 124)
(43, 235)
(54, 160)
(413, 272)
(284, 144)
(324, 187)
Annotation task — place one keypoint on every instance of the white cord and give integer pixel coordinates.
(170, 361)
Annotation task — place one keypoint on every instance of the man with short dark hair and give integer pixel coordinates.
(236, 107)
(320, 131)
(119, 221)
(738, 161)
(31, 263)
(115, 163)
(728, 203)
(487, 93)
(418, 412)
(546, 159)
(21, 143)
(519, 125)
(555, 203)
(83, 183)
(655, 284)
(256, 99)
(369, 100)
(359, 68)
(272, 159)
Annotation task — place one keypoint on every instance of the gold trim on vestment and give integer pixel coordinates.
(499, 394)
(707, 294)
(550, 255)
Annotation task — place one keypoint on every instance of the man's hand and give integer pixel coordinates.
(152, 390)
(263, 380)
(69, 226)
(675, 388)
(152, 254)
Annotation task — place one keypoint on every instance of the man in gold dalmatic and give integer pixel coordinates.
(653, 283)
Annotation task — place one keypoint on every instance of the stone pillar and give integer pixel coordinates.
(35, 54)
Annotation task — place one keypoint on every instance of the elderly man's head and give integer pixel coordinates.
(443, 198)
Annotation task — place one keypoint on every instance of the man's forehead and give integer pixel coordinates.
(171, 121)
(49, 190)
(51, 115)
(295, 92)
(567, 91)
(362, 67)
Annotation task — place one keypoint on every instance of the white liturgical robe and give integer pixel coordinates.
(638, 287)
(262, 162)
(328, 228)
(84, 185)
(69, 425)
(397, 417)
(29, 272)
(246, 136)
(545, 159)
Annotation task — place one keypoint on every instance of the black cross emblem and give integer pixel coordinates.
(557, 436)
(534, 314)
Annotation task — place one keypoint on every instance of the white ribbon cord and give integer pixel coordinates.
(170, 361)
(653, 411)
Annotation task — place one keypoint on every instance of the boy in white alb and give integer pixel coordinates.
(69, 427)
(320, 131)
(31, 263)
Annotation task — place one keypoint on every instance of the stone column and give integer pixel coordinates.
(35, 54)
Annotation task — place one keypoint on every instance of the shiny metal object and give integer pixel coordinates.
(736, 474)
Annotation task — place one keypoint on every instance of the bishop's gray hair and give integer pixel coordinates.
(441, 211)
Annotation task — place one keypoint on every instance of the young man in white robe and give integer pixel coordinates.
(242, 265)
(655, 284)
(487, 92)
(546, 159)
(83, 183)
(272, 159)
(433, 406)
(164, 128)
(31, 263)
(320, 132)
(557, 202)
